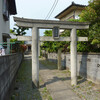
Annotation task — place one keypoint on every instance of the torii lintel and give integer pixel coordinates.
(44, 24)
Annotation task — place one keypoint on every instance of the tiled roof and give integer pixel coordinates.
(73, 4)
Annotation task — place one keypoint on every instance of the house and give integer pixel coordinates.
(71, 12)
(28, 44)
(7, 8)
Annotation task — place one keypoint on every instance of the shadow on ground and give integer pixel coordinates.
(45, 64)
(55, 79)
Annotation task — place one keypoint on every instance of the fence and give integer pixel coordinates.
(6, 46)
(88, 64)
(9, 65)
(9, 47)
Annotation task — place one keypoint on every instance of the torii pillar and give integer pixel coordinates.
(73, 57)
(35, 61)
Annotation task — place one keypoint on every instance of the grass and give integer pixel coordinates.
(13, 97)
(48, 64)
(77, 86)
(46, 94)
(89, 82)
(79, 77)
(24, 84)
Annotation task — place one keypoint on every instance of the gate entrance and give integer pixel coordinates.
(56, 25)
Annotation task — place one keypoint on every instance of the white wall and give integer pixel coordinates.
(4, 25)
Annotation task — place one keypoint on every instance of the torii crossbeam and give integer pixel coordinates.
(44, 24)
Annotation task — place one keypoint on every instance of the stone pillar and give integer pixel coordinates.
(35, 60)
(39, 44)
(59, 60)
(73, 57)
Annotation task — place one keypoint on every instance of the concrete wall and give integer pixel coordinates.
(9, 65)
(4, 25)
(88, 64)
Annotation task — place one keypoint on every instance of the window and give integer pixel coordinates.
(77, 17)
(5, 41)
(5, 10)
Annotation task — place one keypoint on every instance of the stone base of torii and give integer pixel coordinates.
(50, 24)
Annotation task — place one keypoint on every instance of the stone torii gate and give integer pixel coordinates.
(50, 24)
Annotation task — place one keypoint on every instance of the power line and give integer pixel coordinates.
(52, 9)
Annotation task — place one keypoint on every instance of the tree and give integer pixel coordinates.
(17, 30)
(12, 31)
(54, 46)
(89, 14)
(19, 45)
(92, 14)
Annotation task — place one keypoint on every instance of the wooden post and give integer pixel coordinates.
(59, 60)
(73, 57)
(35, 60)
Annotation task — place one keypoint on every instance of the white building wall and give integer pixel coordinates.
(4, 25)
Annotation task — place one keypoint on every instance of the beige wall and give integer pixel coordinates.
(4, 25)
(77, 12)
(65, 18)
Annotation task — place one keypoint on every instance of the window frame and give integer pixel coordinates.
(5, 10)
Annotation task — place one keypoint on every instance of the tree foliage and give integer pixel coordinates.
(17, 30)
(51, 46)
(89, 14)
(19, 45)
(92, 14)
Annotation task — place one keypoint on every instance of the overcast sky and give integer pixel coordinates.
(38, 9)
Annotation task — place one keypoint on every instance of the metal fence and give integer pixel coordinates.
(6, 45)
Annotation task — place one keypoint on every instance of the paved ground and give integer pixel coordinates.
(57, 88)
(58, 84)
(54, 84)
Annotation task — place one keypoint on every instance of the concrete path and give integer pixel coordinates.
(57, 88)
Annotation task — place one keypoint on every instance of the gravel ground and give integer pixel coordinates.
(85, 89)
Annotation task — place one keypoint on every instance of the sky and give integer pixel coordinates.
(38, 9)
